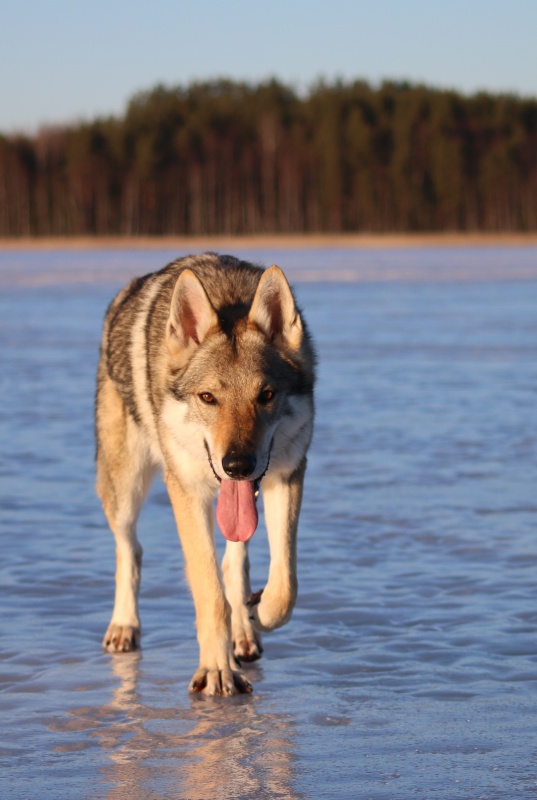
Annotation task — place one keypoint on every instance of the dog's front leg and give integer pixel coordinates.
(217, 674)
(282, 497)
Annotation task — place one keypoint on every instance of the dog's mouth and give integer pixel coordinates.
(236, 509)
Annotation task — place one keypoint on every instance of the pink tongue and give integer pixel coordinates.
(236, 512)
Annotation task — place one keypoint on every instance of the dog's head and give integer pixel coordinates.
(242, 373)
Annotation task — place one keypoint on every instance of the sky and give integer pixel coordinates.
(62, 61)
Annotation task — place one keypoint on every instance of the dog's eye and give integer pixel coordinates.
(266, 396)
(208, 398)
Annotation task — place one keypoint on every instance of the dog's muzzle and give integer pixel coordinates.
(239, 466)
(236, 508)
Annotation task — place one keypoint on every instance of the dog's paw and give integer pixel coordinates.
(247, 647)
(121, 638)
(271, 607)
(222, 682)
(246, 641)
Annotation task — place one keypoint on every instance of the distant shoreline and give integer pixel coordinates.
(269, 241)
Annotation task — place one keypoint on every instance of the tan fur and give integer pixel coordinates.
(205, 329)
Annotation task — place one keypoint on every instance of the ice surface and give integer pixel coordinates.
(409, 668)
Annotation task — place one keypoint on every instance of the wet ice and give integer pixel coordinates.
(410, 664)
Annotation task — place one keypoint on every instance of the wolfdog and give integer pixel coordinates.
(206, 371)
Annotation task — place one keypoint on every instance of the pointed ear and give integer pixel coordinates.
(191, 315)
(273, 309)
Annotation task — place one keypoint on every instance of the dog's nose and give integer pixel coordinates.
(238, 465)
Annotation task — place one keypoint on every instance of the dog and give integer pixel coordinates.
(207, 372)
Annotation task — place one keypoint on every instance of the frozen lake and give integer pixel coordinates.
(409, 668)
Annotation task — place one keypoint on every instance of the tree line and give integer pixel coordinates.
(225, 157)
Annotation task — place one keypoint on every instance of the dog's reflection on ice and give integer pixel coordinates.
(212, 748)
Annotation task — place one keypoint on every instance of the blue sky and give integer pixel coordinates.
(64, 60)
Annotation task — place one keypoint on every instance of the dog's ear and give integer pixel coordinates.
(191, 315)
(273, 310)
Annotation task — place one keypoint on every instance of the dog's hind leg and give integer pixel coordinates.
(124, 473)
(236, 570)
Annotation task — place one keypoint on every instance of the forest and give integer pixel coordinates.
(225, 157)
